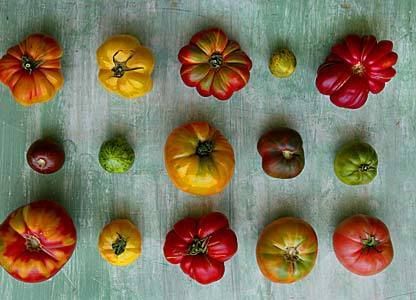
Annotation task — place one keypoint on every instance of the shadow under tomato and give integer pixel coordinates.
(348, 207)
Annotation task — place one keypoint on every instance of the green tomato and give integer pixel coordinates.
(116, 155)
(356, 164)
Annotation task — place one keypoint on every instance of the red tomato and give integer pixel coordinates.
(214, 65)
(201, 246)
(354, 68)
(362, 244)
(36, 240)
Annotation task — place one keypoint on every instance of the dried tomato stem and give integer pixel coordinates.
(119, 245)
(29, 64)
(216, 60)
(204, 148)
(287, 154)
(120, 67)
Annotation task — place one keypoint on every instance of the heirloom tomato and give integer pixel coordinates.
(282, 153)
(213, 64)
(199, 159)
(201, 246)
(362, 244)
(287, 250)
(36, 240)
(45, 156)
(125, 66)
(354, 68)
(32, 69)
(120, 243)
(356, 164)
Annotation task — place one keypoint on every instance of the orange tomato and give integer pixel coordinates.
(32, 69)
(36, 240)
(199, 159)
(287, 250)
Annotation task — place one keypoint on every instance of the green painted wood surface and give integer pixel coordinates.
(83, 115)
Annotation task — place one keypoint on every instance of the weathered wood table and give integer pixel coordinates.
(83, 115)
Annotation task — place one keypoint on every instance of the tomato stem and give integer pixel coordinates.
(198, 246)
(120, 67)
(291, 254)
(32, 243)
(370, 242)
(204, 148)
(364, 168)
(216, 60)
(119, 246)
(287, 154)
(29, 64)
(358, 69)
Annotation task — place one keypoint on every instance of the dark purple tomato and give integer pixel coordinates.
(45, 156)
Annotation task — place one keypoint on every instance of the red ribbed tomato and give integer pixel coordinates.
(214, 65)
(354, 68)
(363, 245)
(201, 246)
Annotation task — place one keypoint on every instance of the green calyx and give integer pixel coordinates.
(370, 242)
(204, 148)
(198, 246)
(116, 155)
(119, 245)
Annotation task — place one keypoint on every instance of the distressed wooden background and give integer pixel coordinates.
(83, 115)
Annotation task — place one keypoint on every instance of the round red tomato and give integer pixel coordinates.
(201, 246)
(354, 68)
(36, 240)
(362, 244)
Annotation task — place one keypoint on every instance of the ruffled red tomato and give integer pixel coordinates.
(201, 246)
(214, 65)
(354, 68)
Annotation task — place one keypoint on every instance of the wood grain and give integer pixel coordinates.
(83, 115)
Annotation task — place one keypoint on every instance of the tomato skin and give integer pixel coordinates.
(214, 65)
(42, 79)
(53, 237)
(286, 250)
(205, 173)
(354, 68)
(349, 241)
(282, 153)
(219, 244)
(356, 164)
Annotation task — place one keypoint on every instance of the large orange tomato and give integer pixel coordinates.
(199, 159)
(287, 250)
(36, 240)
(32, 69)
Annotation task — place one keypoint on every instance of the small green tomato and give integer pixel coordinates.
(116, 155)
(282, 63)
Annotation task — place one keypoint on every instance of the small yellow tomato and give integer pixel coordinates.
(282, 63)
(120, 243)
(125, 67)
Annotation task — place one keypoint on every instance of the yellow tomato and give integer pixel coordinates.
(199, 159)
(120, 242)
(125, 67)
